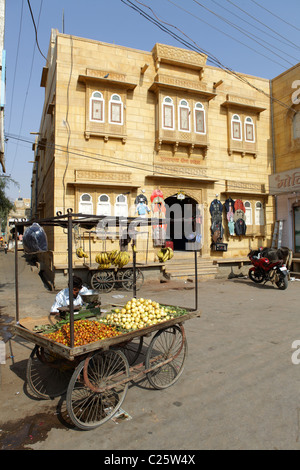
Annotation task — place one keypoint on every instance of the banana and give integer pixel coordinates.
(80, 253)
(104, 265)
(165, 254)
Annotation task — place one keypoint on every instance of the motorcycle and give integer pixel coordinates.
(264, 270)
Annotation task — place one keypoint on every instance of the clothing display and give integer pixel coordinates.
(217, 230)
(240, 227)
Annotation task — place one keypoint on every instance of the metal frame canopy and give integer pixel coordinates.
(68, 221)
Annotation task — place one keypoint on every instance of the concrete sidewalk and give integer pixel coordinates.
(239, 389)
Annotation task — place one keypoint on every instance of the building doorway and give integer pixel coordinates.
(181, 234)
(297, 229)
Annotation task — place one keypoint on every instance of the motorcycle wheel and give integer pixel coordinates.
(282, 283)
(256, 276)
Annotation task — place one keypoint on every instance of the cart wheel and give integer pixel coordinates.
(103, 281)
(132, 349)
(97, 389)
(127, 279)
(47, 375)
(167, 344)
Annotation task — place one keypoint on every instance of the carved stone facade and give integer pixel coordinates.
(125, 121)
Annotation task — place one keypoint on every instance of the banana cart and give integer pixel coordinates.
(95, 376)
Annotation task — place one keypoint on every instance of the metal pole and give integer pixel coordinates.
(196, 281)
(134, 267)
(70, 266)
(16, 275)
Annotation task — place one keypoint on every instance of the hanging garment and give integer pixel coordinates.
(239, 205)
(229, 203)
(239, 214)
(240, 227)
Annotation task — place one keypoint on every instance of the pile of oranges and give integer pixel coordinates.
(85, 332)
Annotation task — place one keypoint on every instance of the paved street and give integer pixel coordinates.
(239, 389)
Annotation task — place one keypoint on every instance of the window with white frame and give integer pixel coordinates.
(121, 206)
(249, 130)
(199, 117)
(248, 213)
(236, 128)
(259, 214)
(103, 205)
(184, 116)
(168, 113)
(97, 107)
(86, 204)
(116, 110)
(296, 126)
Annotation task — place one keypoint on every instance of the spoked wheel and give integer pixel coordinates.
(103, 281)
(127, 279)
(97, 389)
(47, 375)
(166, 353)
(256, 276)
(132, 349)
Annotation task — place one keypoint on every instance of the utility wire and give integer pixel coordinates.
(26, 94)
(196, 48)
(276, 16)
(259, 29)
(35, 29)
(266, 26)
(16, 63)
(226, 34)
(241, 31)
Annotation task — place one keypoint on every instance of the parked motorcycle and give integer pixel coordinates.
(264, 270)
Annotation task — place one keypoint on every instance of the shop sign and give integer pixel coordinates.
(285, 182)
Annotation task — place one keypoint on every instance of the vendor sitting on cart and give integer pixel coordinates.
(62, 298)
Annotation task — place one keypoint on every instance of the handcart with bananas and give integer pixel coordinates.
(90, 357)
(111, 269)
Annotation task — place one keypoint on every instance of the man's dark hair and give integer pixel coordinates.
(77, 282)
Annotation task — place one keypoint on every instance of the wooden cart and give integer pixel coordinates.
(96, 376)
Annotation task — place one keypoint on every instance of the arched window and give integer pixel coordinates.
(86, 204)
(168, 113)
(184, 116)
(116, 110)
(121, 206)
(236, 128)
(103, 205)
(97, 107)
(249, 130)
(248, 212)
(296, 126)
(199, 117)
(259, 214)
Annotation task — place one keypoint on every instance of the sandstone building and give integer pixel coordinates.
(118, 123)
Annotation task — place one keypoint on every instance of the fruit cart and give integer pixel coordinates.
(105, 275)
(95, 375)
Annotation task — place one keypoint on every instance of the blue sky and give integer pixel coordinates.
(242, 35)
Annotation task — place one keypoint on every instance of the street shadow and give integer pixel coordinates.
(252, 284)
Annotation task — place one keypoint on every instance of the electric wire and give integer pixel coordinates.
(276, 16)
(266, 26)
(35, 29)
(16, 63)
(226, 34)
(107, 159)
(26, 93)
(197, 49)
(241, 30)
(259, 29)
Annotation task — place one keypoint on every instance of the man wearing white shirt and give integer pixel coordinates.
(62, 298)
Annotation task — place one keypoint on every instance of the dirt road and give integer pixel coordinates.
(239, 389)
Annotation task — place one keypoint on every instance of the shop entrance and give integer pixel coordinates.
(181, 233)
